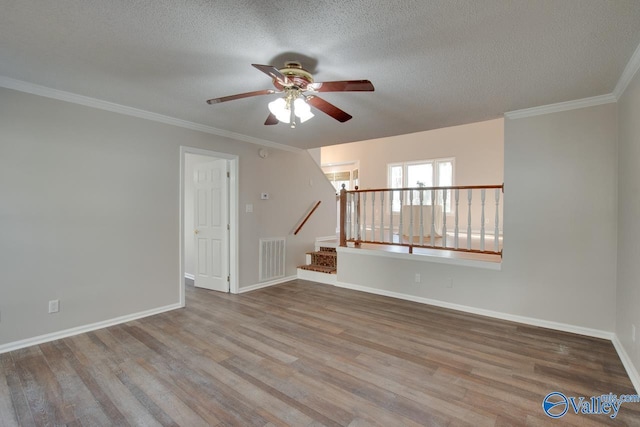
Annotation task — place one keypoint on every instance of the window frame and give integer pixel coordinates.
(435, 175)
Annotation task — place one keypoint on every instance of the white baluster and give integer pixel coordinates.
(410, 218)
(364, 216)
(382, 239)
(469, 196)
(421, 217)
(373, 216)
(457, 197)
(444, 218)
(348, 216)
(433, 217)
(357, 217)
(400, 230)
(391, 215)
(496, 235)
(482, 198)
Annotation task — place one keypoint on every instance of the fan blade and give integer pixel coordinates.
(328, 108)
(342, 86)
(271, 120)
(274, 73)
(241, 95)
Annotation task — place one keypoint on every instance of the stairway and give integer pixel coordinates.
(322, 266)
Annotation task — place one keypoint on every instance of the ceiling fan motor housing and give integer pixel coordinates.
(298, 76)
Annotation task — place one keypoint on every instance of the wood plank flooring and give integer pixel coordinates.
(305, 354)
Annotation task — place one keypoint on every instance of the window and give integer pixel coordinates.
(426, 173)
(342, 173)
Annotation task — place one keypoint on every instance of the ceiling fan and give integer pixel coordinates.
(299, 91)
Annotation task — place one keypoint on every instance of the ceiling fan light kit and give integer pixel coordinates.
(287, 110)
(299, 90)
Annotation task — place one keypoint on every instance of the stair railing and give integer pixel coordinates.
(424, 217)
(306, 218)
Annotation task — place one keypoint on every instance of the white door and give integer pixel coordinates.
(211, 224)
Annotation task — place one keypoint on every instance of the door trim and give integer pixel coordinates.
(233, 216)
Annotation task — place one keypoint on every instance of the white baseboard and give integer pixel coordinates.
(628, 364)
(189, 276)
(596, 333)
(85, 328)
(266, 284)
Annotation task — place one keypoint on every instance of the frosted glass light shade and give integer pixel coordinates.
(302, 110)
(279, 109)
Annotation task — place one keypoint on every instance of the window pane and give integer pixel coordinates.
(395, 181)
(395, 176)
(445, 174)
(445, 179)
(420, 175)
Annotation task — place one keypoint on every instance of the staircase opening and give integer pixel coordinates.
(324, 260)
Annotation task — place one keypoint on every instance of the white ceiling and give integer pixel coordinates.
(433, 63)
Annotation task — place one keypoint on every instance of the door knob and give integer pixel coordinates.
(196, 231)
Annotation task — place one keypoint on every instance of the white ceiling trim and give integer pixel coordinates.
(60, 95)
(627, 75)
(562, 106)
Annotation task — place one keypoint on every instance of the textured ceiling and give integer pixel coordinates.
(433, 63)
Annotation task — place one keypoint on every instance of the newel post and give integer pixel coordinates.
(343, 216)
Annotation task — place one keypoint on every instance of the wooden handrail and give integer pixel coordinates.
(455, 187)
(307, 217)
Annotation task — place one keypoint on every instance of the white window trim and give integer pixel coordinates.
(434, 162)
(419, 162)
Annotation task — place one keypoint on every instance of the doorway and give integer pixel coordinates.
(339, 174)
(208, 220)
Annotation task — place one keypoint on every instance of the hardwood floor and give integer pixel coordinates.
(305, 354)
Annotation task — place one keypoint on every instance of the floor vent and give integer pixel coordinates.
(272, 258)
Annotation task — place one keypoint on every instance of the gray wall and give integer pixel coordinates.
(628, 292)
(560, 212)
(89, 212)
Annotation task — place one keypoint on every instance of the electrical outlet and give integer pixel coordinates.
(633, 333)
(449, 282)
(417, 278)
(54, 306)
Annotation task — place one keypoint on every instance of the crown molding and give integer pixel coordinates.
(627, 75)
(561, 106)
(625, 78)
(60, 95)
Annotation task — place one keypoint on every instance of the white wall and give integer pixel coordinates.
(294, 183)
(477, 147)
(628, 291)
(560, 211)
(89, 212)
